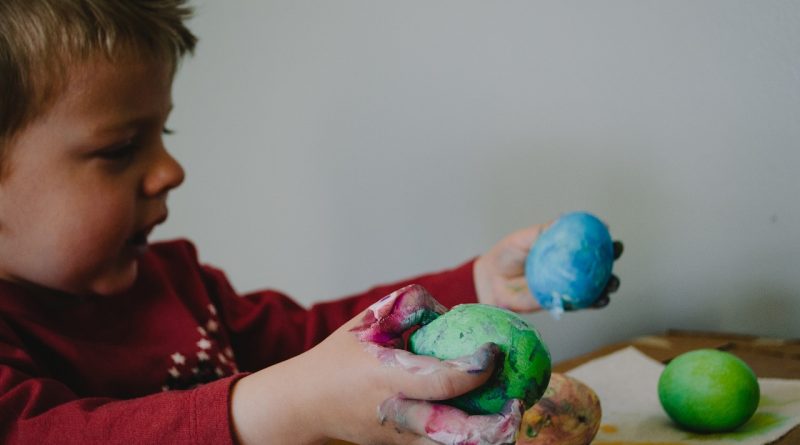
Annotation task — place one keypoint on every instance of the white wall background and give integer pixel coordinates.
(333, 145)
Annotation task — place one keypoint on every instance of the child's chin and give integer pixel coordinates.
(116, 282)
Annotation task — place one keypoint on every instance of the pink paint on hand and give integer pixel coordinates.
(387, 319)
(451, 426)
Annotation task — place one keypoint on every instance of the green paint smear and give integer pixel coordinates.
(758, 424)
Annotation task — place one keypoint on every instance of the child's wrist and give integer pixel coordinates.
(270, 406)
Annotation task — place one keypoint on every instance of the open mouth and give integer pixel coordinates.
(139, 239)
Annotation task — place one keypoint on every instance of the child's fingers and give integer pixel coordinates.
(428, 378)
(451, 426)
(618, 249)
(601, 302)
(613, 284)
(385, 321)
(604, 298)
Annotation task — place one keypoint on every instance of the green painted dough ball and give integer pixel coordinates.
(707, 390)
(524, 371)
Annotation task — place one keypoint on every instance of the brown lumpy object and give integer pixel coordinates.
(569, 413)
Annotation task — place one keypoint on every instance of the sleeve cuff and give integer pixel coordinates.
(211, 421)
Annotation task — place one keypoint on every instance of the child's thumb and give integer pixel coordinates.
(428, 378)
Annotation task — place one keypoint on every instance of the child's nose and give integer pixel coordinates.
(164, 175)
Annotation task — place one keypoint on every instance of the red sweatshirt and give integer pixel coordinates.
(156, 364)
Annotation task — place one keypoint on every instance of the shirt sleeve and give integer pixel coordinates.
(36, 408)
(268, 326)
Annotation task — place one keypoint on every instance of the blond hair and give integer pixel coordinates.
(41, 39)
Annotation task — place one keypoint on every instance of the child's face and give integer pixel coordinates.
(87, 181)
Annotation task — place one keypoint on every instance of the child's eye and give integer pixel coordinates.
(119, 153)
(167, 131)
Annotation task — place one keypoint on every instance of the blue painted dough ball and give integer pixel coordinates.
(570, 263)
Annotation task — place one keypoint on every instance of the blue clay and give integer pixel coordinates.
(570, 263)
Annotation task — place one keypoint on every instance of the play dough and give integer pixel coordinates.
(522, 372)
(570, 263)
(569, 413)
(707, 390)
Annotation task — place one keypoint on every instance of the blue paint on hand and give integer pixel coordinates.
(569, 265)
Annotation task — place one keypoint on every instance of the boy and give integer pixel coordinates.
(105, 338)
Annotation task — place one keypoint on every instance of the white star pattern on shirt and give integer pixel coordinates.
(209, 359)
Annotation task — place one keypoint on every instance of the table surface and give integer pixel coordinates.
(769, 357)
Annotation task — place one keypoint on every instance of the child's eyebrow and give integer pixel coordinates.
(134, 122)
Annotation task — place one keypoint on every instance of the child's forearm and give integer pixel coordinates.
(42, 410)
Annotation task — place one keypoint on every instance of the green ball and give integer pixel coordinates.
(708, 391)
(524, 371)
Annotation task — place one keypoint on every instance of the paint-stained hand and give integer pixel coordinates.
(500, 272)
(447, 425)
(359, 385)
(377, 392)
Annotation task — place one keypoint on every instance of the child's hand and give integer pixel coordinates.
(359, 385)
(500, 272)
